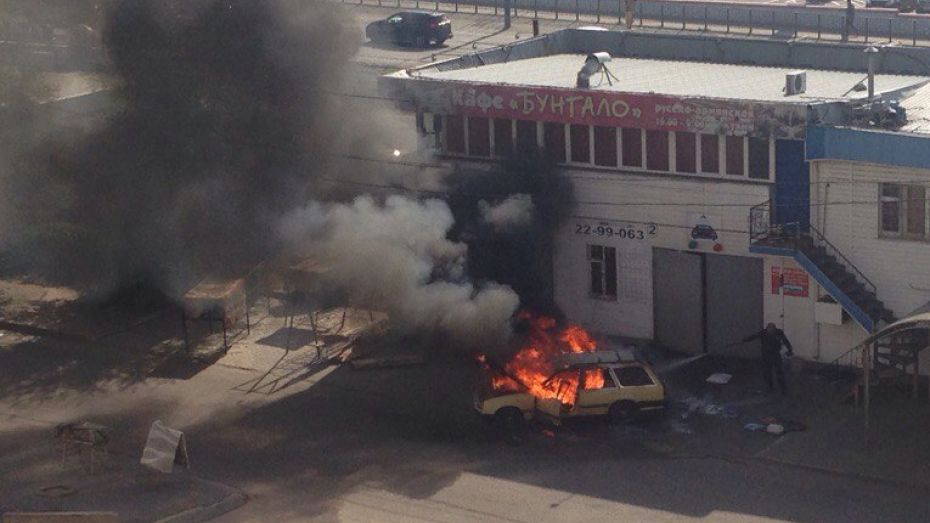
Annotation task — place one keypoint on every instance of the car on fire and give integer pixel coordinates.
(416, 28)
(625, 387)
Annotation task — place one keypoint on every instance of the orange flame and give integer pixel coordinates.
(534, 366)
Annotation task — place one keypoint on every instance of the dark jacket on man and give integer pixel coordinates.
(772, 340)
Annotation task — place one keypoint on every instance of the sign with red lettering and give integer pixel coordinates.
(791, 282)
(610, 108)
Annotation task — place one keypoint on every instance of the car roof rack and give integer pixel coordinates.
(595, 358)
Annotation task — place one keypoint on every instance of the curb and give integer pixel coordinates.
(233, 500)
(842, 473)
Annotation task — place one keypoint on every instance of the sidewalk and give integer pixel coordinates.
(833, 441)
(33, 479)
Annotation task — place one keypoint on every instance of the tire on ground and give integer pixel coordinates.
(510, 420)
(623, 411)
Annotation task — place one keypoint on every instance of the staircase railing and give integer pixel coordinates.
(821, 240)
(760, 221)
(761, 226)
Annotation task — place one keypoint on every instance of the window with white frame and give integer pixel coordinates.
(903, 211)
(603, 264)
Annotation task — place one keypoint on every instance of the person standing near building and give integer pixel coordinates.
(850, 18)
(772, 339)
(629, 7)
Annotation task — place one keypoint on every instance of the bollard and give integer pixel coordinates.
(705, 18)
(866, 30)
(728, 20)
(535, 10)
(536, 27)
(684, 19)
(456, 6)
(750, 21)
(437, 5)
(577, 11)
(773, 23)
(476, 6)
(890, 30)
(598, 9)
(662, 16)
(418, 4)
(398, 4)
(556, 9)
(495, 7)
(915, 33)
(818, 26)
(795, 25)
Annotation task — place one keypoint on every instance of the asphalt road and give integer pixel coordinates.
(402, 445)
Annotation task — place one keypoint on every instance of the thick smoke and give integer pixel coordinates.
(514, 212)
(517, 256)
(396, 257)
(228, 120)
(225, 121)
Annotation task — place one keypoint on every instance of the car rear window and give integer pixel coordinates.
(633, 376)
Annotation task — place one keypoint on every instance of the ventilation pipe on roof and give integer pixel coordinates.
(872, 54)
(593, 64)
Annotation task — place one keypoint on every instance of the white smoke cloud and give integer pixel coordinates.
(514, 212)
(395, 257)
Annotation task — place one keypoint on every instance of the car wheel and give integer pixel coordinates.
(511, 423)
(623, 412)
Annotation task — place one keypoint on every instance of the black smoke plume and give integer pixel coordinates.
(532, 198)
(225, 117)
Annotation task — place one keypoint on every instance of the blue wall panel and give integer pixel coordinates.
(861, 145)
(792, 184)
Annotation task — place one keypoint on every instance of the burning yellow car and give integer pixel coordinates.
(614, 383)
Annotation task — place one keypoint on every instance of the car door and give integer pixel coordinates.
(639, 384)
(596, 401)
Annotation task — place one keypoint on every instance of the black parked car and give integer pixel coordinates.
(418, 28)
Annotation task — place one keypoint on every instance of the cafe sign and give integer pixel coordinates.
(610, 108)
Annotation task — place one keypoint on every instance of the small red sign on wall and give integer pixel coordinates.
(793, 282)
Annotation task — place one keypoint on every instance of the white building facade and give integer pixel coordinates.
(685, 198)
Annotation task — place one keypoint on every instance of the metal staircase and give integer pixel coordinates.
(895, 355)
(842, 280)
(895, 347)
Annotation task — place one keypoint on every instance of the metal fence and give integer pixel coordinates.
(785, 21)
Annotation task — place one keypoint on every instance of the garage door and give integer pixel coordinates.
(734, 303)
(678, 300)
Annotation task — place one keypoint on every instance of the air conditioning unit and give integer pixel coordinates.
(795, 82)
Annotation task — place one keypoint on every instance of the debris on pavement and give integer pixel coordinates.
(775, 428)
(719, 378)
